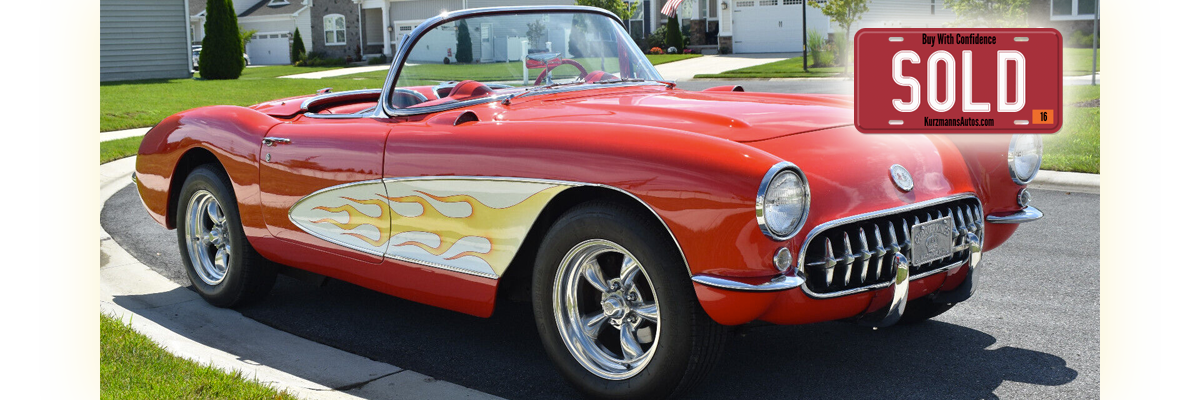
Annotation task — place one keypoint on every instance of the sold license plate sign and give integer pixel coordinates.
(958, 80)
(932, 240)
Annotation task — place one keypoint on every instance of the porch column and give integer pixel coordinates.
(387, 36)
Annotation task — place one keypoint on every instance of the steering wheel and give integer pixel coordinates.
(546, 72)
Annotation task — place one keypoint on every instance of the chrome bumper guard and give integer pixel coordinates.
(888, 305)
(1027, 214)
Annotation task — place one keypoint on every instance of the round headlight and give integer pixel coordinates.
(1024, 157)
(782, 202)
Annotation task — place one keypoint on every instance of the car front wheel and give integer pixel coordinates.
(615, 307)
(219, 261)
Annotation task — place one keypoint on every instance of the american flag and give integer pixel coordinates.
(669, 8)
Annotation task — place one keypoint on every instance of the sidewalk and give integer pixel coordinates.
(338, 72)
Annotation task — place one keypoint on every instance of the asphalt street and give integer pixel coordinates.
(1031, 331)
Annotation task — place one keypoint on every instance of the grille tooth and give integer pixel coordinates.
(880, 251)
(829, 262)
(971, 221)
(979, 220)
(849, 257)
(906, 246)
(962, 223)
(865, 254)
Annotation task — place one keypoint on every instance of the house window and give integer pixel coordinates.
(1072, 9)
(335, 29)
(635, 23)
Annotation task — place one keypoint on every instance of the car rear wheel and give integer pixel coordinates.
(219, 261)
(615, 308)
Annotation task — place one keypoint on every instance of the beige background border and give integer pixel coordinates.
(69, 60)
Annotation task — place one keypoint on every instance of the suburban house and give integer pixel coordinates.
(1068, 16)
(363, 28)
(143, 39)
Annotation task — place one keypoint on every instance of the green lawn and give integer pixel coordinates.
(137, 104)
(134, 367)
(1075, 148)
(657, 59)
(1079, 61)
(789, 68)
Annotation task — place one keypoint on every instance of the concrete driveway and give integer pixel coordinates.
(685, 69)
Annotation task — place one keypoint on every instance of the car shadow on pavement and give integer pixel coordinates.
(503, 356)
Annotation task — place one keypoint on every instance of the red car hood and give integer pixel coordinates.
(737, 116)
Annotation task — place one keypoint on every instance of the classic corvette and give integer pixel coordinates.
(552, 163)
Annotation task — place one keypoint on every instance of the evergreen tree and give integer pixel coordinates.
(674, 36)
(297, 46)
(463, 53)
(221, 53)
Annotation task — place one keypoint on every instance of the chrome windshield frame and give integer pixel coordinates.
(383, 108)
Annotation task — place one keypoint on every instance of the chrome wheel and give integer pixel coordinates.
(207, 235)
(606, 310)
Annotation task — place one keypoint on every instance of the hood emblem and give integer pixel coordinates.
(901, 178)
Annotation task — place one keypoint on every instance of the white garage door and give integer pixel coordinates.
(767, 26)
(269, 49)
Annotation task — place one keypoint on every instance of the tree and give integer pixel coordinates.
(221, 51)
(989, 13)
(674, 36)
(297, 46)
(845, 13)
(463, 53)
(245, 36)
(623, 10)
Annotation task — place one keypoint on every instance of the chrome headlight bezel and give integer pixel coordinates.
(760, 206)
(1013, 156)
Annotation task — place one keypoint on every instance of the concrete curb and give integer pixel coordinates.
(179, 320)
(1066, 181)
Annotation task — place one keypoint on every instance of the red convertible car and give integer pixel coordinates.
(545, 158)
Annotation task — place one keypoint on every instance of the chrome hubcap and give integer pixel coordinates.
(585, 300)
(208, 237)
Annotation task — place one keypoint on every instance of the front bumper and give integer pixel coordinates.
(786, 299)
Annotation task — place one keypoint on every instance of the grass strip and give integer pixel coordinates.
(134, 367)
(119, 148)
(1075, 148)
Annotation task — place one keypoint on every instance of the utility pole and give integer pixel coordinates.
(804, 31)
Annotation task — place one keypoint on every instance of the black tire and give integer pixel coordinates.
(923, 309)
(246, 275)
(685, 347)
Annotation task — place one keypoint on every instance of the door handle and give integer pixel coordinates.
(271, 141)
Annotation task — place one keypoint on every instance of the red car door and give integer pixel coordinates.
(321, 188)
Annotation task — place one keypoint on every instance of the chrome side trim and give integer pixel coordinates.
(1027, 214)
(782, 282)
(760, 199)
(441, 266)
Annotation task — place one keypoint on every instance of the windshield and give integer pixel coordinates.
(511, 52)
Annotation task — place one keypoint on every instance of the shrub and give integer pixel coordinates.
(376, 60)
(816, 49)
(656, 50)
(1079, 39)
(221, 54)
(297, 46)
(658, 38)
(319, 59)
(724, 50)
(841, 49)
(687, 51)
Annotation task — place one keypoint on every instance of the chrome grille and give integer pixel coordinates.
(853, 254)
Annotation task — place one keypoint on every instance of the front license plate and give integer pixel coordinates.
(958, 80)
(932, 240)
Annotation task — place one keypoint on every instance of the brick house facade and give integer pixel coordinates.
(332, 38)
